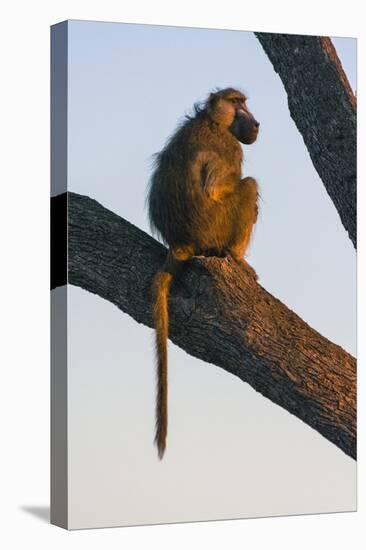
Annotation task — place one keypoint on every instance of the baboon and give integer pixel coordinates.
(200, 205)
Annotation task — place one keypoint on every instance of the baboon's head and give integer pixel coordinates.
(228, 108)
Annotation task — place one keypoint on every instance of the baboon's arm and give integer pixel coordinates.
(216, 179)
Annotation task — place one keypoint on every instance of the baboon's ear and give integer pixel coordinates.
(212, 98)
(212, 102)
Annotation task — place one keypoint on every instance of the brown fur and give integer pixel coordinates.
(200, 205)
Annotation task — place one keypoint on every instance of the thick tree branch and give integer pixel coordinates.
(220, 314)
(323, 106)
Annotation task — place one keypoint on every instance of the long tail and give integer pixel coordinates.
(161, 288)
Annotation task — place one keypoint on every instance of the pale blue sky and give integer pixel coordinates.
(231, 452)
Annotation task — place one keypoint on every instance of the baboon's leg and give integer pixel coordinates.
(246, 215)
(182, 253)
(176, 257)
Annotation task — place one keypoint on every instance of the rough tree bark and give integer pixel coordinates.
(323, 107)
(220, 314)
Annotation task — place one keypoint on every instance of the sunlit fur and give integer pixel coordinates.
(200, 205)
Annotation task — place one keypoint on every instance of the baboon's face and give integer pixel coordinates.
(228, 108)
(244, 126)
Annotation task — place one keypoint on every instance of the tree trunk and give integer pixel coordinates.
(218, 313)
(323, 107)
